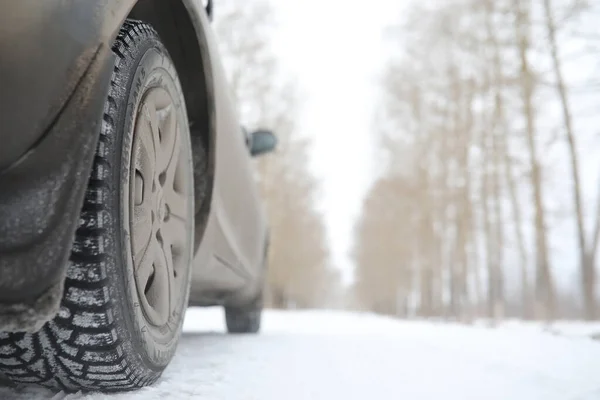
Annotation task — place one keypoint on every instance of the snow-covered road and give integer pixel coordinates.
(327, 355)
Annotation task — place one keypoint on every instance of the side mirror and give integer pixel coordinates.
(208, 6)
(261, 142)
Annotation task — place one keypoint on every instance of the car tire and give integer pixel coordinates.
(244, 320)
(127, 283)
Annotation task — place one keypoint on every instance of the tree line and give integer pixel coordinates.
(488, 206)
(488, 166)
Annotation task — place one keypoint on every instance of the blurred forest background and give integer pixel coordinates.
(488, 126)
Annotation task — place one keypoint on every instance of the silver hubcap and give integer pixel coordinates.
(159, 205)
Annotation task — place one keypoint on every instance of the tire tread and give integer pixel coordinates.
(76, 351)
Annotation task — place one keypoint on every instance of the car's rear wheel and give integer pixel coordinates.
(244, 319)
(128, 281)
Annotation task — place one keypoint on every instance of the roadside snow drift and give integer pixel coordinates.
(328, 355)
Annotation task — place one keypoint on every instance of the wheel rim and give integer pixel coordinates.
(159, 205)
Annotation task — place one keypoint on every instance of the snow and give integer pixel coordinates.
(580, 329)
(333, 355)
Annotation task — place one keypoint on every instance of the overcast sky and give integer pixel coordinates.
(335, 50)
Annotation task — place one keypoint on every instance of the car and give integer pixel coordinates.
(127, 190)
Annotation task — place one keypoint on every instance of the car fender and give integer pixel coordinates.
(56, 67)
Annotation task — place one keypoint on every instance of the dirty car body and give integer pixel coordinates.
(55, 70)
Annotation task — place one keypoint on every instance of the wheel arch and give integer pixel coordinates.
(183, 32)
(60, 68)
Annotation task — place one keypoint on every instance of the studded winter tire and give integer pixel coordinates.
(128, 280)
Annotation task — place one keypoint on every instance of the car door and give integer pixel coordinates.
(241, 217)
(232, 246)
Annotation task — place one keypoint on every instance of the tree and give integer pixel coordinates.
(587, 249)
(384, 249)
(501, 139)
(544, 288)
(468, 105)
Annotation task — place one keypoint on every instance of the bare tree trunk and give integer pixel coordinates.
(588, 275)
(424, 253)
(507, 166)
(476, 263)
(544, 289)
(503, 153)
(475, 269)
(498, 149)
(486, 192)
(465, 226)
(596, 237)
(451, 146)
(498, 230)
(487, 228)
(518, 225)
